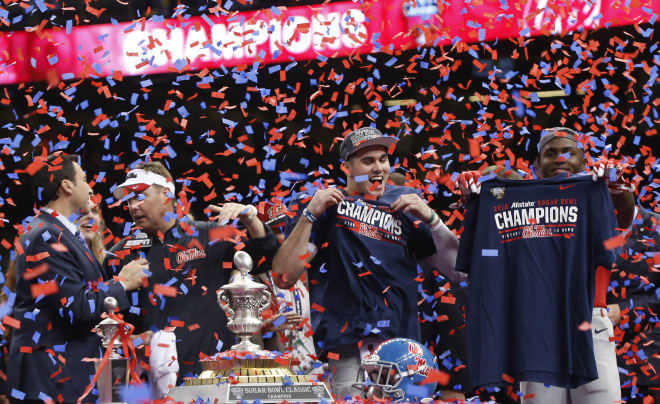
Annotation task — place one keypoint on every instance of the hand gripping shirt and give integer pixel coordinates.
(363, 276)
(531, 249)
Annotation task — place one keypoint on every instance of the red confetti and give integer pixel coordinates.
(585, 326)
(164, 290)
(48, 288)
(11, 322)
(37, 257)
(224, 233)
(615, 242)
(436, 376)
(32, 273)
(176, 323)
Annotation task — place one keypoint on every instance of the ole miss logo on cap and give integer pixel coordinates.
(364, 134)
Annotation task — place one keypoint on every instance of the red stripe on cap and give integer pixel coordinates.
(137, 187)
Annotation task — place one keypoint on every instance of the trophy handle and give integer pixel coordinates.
(265, 301)
(98, 332)
(223, 301)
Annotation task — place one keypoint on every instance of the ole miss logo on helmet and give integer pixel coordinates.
(415, 349)
(418, 355)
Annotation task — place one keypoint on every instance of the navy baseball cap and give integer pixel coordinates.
(555, 133)
(361, 138)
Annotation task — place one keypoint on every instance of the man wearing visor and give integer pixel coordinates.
(188, 262)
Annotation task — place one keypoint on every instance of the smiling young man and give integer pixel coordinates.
(60, 289)
(560, 160)
(362, 243)
(560, 153)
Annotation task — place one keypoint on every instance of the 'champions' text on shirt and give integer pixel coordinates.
(375, 221)
(532, 219)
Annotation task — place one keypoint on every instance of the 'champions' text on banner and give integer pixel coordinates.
(284, 35)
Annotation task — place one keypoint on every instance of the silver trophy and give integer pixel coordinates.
(115, 374)
(248, 373)
(244, 300)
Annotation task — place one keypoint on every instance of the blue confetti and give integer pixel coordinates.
(183, 111)
(489, 253)
(17, 394)
(279, 321)
(135, 393)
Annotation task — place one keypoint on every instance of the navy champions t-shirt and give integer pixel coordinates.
(363, 274)
(531, 249)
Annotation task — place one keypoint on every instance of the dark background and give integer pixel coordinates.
(293, 128)
(426, 97)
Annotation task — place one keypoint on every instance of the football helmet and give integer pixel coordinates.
(395, 371)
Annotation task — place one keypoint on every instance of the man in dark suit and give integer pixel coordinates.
(636, 306)
(59, 291)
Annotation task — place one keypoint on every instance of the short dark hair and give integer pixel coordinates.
(45, 182)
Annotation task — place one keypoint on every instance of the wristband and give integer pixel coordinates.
(308, 215)
(432, 218)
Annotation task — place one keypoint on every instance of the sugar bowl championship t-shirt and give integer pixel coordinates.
(362, 279)
(531, 249)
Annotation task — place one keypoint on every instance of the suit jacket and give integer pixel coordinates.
(640, 345)
(55, 331)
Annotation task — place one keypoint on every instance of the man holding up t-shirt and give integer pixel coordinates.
(562, 278)
(362, 243)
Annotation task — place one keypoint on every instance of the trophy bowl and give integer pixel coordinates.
(244, 300)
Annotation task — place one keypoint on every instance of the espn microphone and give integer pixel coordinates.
(138, 244)
(140, 241)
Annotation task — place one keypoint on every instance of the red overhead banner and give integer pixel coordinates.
(297, 33)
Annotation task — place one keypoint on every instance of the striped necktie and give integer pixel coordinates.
(81, 239)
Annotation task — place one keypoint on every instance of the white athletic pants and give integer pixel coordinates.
(604, 390)
(345, 369)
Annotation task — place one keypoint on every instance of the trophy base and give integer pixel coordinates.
(231, 377)
(304, 392)
(248, 346)
(245, 367)
(112, 380)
